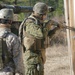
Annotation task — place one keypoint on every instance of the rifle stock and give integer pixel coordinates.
(15, 27)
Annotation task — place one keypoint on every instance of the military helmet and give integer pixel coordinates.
(6, 14)
(40, 8)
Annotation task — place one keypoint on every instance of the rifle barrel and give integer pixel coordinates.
(17, 9)
(22, 9)
(70, 28)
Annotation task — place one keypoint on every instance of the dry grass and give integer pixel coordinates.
(57, 61)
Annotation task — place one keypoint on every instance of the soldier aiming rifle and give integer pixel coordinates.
(33, 32)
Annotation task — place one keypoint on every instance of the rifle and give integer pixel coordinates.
(68, 27)
(16, 24)
(22, 9)
(50, 23)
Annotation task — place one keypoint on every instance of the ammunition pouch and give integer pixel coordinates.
(38, 44)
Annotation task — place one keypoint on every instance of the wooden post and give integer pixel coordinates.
(72, 34)
(66, 9)
(70, 21)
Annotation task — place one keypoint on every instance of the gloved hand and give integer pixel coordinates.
(60, 25)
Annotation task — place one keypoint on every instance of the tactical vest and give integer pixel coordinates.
(39, 43)
(5, 56)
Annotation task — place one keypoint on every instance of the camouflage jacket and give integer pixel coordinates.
(39, 31)
(14, 48)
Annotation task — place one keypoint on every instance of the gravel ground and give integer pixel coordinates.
(57, 61)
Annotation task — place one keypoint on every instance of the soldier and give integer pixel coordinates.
(11, 62)
(34, 35)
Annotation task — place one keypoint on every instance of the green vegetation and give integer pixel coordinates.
(57, 4)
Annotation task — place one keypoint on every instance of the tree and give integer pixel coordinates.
(15, 2)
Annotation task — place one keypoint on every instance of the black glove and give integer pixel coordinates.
(52, 32)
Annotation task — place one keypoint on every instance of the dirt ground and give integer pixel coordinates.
(57, 61)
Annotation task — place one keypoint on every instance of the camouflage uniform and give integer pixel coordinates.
(33, 38)
(11, 61)
(14, 48)
(35, 34)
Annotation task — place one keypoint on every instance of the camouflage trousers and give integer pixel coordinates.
(33, 63)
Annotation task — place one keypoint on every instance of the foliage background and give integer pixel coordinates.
(57, 4)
